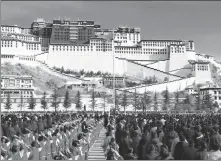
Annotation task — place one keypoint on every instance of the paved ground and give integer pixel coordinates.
(94, 136)
(96, 152)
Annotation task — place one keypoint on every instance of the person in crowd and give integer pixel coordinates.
(151, 153)
(215, 153)
(170, 135)
(75, 150)
(164, 153)
(82, 140)
(136, 139)
(106, 141)
(202, 152)
(190, 152)
(180, 146)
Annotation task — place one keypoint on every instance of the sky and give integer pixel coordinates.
(199, 21)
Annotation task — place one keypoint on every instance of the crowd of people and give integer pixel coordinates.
(162, 137)
(45, 136)
(128, 137)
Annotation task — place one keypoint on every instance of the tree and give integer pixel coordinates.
(21, 104)
(32, 102)
(78, 102)
(147, 101)
(93, 100)
(8, 104)
(82, 72)
(187, 102)
(124, 100)
(62, 69)
(208, 101)
(98, 73)
(198, 102)
(155, 101)
(85, 108)
(177, 96)
(154, 79)
(67, 101)
(166, 79)
(44, 104)
(136, 101)
(166, 101)
(55, 101)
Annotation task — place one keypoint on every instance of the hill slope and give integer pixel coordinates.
(43, 79)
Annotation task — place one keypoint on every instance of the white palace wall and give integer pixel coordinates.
(172, 86)
(162, 65)
(180, 60)
(141, 72)
(21, 49)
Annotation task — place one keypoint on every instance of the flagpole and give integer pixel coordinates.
(113, 74)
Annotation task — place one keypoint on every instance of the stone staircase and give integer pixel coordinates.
(96, 151)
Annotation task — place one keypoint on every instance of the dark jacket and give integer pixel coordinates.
(179, 149)
(126, 145)
(169, 137)
(136, 140)
(216, 138)
(189, 153)
(189, 133)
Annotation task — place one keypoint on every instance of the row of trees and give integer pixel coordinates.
(55, 103)
(144, 102)
(187, 102)
(82, 72)
(31, 102)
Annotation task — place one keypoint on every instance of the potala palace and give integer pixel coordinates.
(84, 45)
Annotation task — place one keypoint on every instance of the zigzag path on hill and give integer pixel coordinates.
(56, 73)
